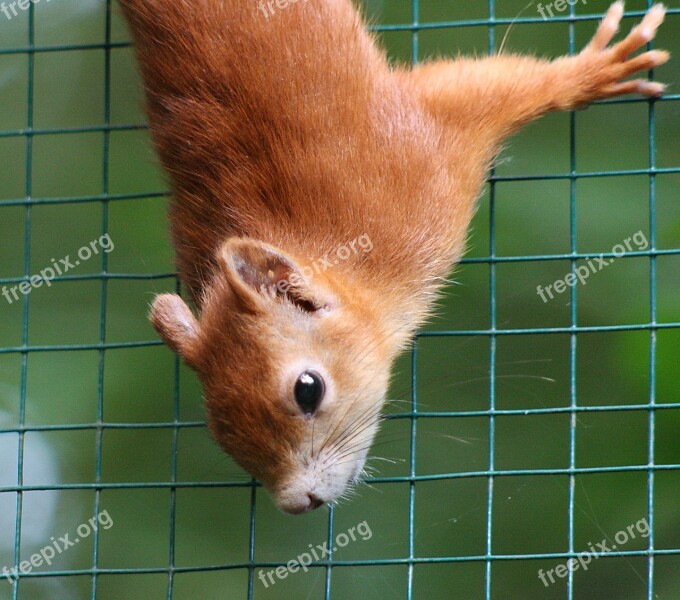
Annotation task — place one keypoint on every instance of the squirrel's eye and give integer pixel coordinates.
(309, 391)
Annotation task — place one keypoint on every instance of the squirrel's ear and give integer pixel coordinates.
(260, 274)
(176, 325)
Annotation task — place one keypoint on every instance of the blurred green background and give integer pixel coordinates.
(135, 386)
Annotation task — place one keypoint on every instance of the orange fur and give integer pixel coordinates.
(285, 137)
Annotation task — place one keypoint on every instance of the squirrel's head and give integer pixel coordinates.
(295, 369)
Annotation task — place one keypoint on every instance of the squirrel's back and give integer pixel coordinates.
(293, 130)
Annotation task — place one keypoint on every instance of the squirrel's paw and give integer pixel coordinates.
(613, 63)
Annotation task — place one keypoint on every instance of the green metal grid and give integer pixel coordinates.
(413, 416)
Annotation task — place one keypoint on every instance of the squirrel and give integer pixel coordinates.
(286, 135)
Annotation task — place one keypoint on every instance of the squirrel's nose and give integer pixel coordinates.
(314, 502)
(297, 504)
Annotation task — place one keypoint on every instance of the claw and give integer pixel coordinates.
(617, 10)
(653, 89)
(608, 27)
(651, 22)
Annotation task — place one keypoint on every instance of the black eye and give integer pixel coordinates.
(309, 391)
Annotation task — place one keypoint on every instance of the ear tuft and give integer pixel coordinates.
(177, 326)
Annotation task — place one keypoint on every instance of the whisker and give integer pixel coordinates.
(337, 425)
(392, 461)
(373, 487)
(357, 427)
(355, 450)
(313, 425)
(469, 441)
(351, 424)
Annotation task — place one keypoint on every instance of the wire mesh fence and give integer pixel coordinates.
(441, 517)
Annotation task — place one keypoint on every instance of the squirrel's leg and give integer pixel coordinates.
(495, 96)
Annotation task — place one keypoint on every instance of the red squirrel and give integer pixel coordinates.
(285, 136)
